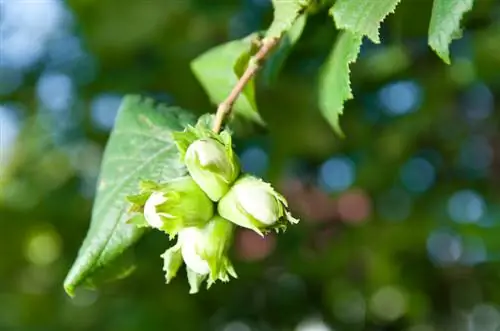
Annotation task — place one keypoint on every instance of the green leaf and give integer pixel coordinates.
(286, 13)
(140, 147)
(219, 69)
(275, 62)
(334, 83)
(362, 16)
(119, 268)
(445, 24)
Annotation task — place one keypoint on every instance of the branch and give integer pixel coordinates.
(254, 65)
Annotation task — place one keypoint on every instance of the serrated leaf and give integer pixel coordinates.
(334, 83)
(140, 147)
(275, 62)
(219, 69)
(445, 24)
(362, 16)
(286, 13)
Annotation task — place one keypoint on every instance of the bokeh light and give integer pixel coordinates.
(400, 98)
(26, 28)
(252, 247)
(354, 206)
(444, 247)
(485, 317)
(418, 175)
(55, 91)
(255, 161)
(309, 202)
(466, 206)
(103, 110)
(478, 102)
(388, 303)
(65, 49)
(313, 324)
(42, 246)
(337, 174)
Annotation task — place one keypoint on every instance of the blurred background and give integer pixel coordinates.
(401, 220)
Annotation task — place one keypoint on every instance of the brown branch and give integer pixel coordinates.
(254, 65)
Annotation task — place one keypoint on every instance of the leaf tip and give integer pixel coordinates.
(335, 124)
(69, 289)
(338, 130)
(446, 59)
(442, 52)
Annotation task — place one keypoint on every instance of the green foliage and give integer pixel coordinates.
(140, 147)
(286, 12)
(275, 62)
(219, 69)
(350, 247)
(445, 24)
(361, 16)
(334, 84)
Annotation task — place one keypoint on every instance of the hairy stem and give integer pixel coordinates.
(254, 65)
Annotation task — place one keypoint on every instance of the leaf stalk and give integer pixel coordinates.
(255, 64)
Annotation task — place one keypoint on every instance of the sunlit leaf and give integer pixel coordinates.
(445, 24)
(361, 16)
(286, 13)
(334, 84)
(140, 147)
(219, 69)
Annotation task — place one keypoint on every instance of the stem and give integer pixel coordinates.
(254, 65)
